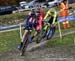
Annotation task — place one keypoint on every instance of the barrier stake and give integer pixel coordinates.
(20, 31)
(60, 31)
(74, 40)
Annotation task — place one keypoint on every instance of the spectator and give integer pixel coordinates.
(64, 12)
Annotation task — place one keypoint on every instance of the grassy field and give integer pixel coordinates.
(14, 18)
(68, 40)
(10, 40)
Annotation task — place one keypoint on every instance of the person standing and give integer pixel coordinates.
(64, 12)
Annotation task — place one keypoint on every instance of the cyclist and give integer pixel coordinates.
(40, 17)
(52, 20)
(30, 22)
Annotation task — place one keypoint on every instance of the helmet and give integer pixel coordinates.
(52, 10)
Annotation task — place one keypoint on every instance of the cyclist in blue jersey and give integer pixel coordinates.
(30, 23)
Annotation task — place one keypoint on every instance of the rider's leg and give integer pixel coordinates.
(37, 39)
(34, 35)
(31, 38)
(23, 38)
(44, 35)
(45, 29)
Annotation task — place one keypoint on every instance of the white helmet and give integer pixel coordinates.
(52, 10)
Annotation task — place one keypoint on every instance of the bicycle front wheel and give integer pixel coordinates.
(25, 43)
(50, 33)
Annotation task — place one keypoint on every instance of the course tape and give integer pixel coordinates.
(12, 26)
(59, 19)
(69, 18)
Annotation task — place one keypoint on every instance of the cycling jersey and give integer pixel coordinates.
(52, 18)
(31, 21)
(40, 20)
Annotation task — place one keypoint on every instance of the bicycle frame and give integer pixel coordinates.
(25, 43)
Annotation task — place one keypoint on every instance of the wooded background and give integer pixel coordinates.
(16, 2)
(13, 2)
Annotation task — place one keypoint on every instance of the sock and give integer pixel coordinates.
(21, 43)
(32, 37)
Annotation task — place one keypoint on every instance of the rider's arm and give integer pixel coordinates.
(55, 15)
(47, 14)
(26, 22)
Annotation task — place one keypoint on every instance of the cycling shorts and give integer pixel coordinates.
(30, 25)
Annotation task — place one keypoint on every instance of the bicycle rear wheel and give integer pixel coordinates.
(40, 35)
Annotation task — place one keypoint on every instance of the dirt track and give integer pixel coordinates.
(43, 53)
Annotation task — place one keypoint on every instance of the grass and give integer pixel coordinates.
(9, 40)
(13, 18)
(67, 40)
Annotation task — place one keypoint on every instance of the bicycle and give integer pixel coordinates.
(38, 37)
(47, 32)
(25, 43)
(50, 32)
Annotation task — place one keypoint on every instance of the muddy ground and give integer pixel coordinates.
(43, 53)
